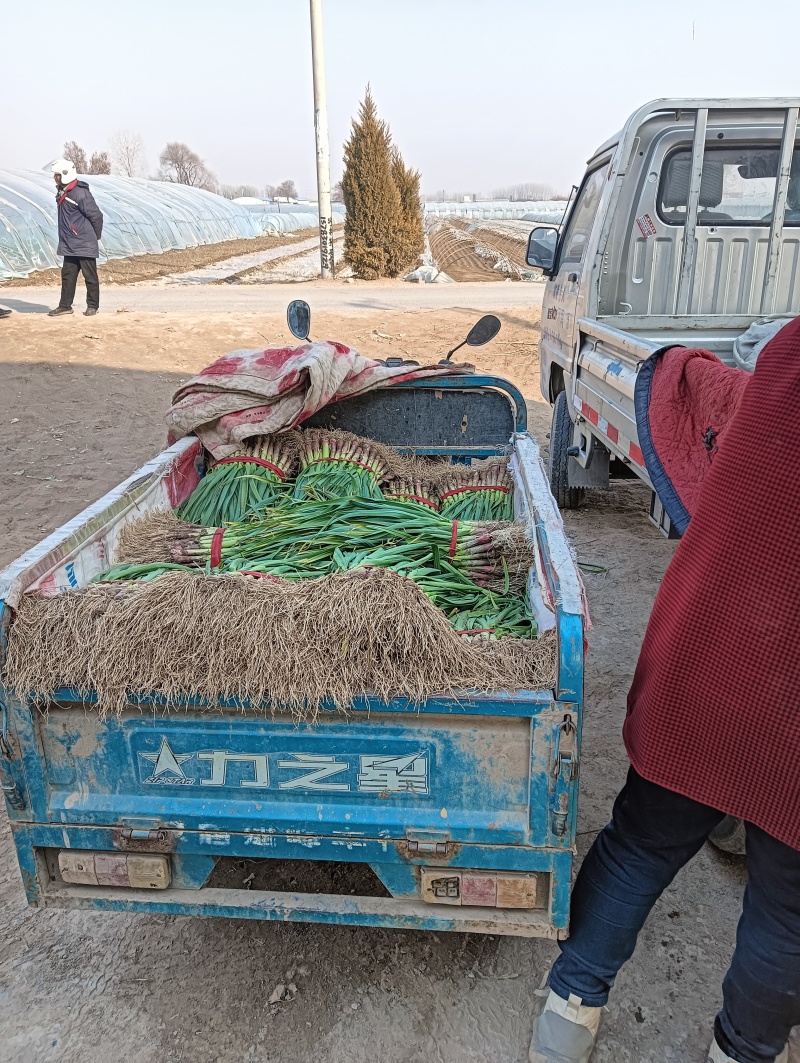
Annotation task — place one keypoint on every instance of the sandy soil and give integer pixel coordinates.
(81, 406)
(150, 267)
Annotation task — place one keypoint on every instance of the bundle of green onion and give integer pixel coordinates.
(495, 618)
(483, 494)
(306, 535)
(337, 467)
(136, 573)
(471, 610)
(412, 493)
(243, 486)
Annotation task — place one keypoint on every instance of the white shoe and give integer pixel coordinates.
(564, 1032)
(716, 1055)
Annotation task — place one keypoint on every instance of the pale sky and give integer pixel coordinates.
(478, 93)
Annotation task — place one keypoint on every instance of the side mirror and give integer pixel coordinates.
(484, 330)
(298, 317)
(541, 251)
(481, 332)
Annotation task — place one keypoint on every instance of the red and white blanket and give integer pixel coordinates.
(252, 393)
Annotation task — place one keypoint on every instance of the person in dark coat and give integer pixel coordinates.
(80, 226)
(712, 730)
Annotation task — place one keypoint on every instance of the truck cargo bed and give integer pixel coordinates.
(464, 808)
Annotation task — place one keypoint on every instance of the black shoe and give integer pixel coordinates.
(90, 311)
(59, 310)
(4, 312)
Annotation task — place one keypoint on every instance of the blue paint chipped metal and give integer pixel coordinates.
(483, 783)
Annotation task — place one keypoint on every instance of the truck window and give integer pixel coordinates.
(582, 217)
(737, 188)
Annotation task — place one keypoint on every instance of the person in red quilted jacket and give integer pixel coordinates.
(713, 729)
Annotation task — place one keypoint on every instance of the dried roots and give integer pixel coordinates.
(292, 645)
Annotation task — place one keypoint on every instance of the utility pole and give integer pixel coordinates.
(323, 148)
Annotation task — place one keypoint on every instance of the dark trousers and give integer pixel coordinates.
(69, 278)
(652, 834)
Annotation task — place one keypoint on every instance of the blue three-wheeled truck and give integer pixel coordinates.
(456, 814)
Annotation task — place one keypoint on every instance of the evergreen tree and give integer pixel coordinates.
(412, 236)
(374, 221)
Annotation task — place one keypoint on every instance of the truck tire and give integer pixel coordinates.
(560, 441)
(730, 836)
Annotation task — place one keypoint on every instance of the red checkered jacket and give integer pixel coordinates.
(714, 709)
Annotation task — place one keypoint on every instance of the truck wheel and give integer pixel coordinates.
(560, 440)
(730, 836)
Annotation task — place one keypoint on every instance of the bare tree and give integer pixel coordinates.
(127, 153)
(337, 195)
(286, 190)
(99, 162)
(181, 165)
(239, 191)
(269, 191)
(76, 155)
(531, 190)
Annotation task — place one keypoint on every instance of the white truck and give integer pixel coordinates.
(685, 230)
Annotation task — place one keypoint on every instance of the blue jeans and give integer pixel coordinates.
(652, 834)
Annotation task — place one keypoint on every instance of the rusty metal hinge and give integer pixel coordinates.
(427, 843)
(142, 840)
(439, 848)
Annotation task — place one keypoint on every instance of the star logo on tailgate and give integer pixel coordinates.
(166, 763)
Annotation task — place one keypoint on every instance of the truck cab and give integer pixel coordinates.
(684, 230)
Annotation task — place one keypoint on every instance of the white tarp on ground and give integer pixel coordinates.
(140, 217)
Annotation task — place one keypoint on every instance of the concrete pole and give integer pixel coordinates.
(323, 148)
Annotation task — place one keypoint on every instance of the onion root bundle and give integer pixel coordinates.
(294, 645)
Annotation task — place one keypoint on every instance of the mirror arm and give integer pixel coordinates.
(444, 361)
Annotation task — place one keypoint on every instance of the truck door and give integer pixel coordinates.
(559, 312)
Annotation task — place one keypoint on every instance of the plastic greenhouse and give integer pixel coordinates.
(499, 210)
(141, 217)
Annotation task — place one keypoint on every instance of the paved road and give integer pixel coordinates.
(322, 295)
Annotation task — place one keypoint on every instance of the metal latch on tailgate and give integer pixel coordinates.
(7, 784)
(6, 749)
(566, 752)
(563, 774)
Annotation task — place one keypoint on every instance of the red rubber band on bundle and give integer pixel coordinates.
(259, 575)
(476, 487)
(216, 548)
(454, 539)
(478, 631)
(414, 498)
(237, 458)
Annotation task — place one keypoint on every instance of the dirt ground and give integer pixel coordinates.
(151, 267)
(82, 402)
(81, 406)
